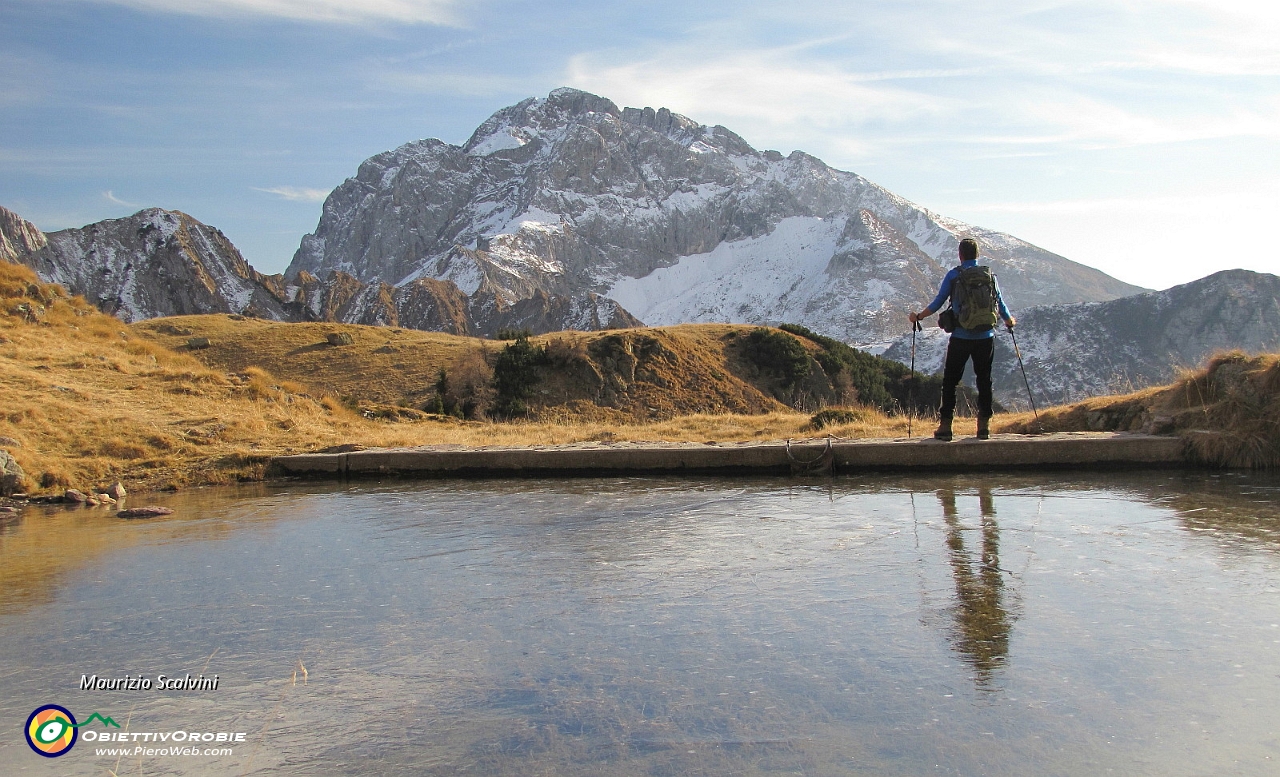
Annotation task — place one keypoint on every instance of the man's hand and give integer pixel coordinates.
(1010, 323)
(914, 317)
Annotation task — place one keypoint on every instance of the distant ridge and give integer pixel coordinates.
(165, 263)
(1076, 351)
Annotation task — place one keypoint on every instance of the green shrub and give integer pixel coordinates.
(510, 333)
(515, 374)
(835, 417)
(881, 382)
(779, 354)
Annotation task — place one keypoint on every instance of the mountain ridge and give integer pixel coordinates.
(1075, 351)
(569, 193)
(160, 263)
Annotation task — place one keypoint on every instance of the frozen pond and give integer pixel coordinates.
(1079, 624)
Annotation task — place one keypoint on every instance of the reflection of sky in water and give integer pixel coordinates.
(979, 625)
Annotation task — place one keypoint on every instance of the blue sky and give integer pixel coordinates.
(1141, 137)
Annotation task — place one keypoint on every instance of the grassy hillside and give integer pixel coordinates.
(633, 374)
(88, 399)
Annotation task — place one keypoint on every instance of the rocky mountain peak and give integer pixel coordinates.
(155, 262)
(570, 195)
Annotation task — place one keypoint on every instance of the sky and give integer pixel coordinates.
(1140, 137)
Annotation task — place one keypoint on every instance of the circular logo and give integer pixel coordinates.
(51, 730)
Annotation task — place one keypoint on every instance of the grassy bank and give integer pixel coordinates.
(1228, 412)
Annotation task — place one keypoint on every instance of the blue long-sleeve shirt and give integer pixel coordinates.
(944, 293)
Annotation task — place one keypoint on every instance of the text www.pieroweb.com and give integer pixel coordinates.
(169, 743)
(163, 751)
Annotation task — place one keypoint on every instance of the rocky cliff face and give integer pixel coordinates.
(1076, 351)
(19, 238)
(673, 220)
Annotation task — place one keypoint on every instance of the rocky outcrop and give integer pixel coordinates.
(673, 220)
(11, 474)
(1075, 351)
(19, 238)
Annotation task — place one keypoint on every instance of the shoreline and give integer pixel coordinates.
(1072, 450)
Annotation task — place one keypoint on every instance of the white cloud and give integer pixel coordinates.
(1090, 122)
(295, 193)
(766, 85)
(111, 197)
(336, 11)
(775, 97)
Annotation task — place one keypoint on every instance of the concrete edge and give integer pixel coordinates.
(1059, 451)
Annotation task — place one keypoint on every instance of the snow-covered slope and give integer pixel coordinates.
(674, 220)
(1076, 351)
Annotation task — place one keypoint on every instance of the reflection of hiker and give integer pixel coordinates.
(975, 305)
(982, 624)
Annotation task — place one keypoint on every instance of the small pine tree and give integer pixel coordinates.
(515, 374)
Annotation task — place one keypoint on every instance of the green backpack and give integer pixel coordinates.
(973, 296)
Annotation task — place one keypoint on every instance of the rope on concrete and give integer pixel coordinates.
(822, 464)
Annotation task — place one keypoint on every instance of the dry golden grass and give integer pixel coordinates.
(1228, 412)
(90, 400)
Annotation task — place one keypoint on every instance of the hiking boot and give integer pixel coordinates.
(984, 427)
(944, 429)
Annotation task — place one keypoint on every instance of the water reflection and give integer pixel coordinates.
(982, 624)
(667, 626)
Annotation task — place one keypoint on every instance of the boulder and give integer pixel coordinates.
(150, 511)
(197, 343)
(72, 495)
(339, 338)
(116, 491)
(11, 475)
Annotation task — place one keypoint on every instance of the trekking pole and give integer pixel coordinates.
(911, 389)
(1025, 382)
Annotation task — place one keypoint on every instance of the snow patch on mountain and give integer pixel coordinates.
(768, 278)
(499, 141)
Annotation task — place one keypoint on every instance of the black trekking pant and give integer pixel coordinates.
(959, 351)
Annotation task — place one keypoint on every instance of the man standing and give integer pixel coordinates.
(975, 306)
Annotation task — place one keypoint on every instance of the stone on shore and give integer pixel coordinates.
(116, 491)
(150, 511)
(11, 475)
(72, 495)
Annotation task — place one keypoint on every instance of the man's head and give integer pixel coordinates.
(968, 250)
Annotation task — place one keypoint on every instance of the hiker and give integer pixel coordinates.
(975, 305)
